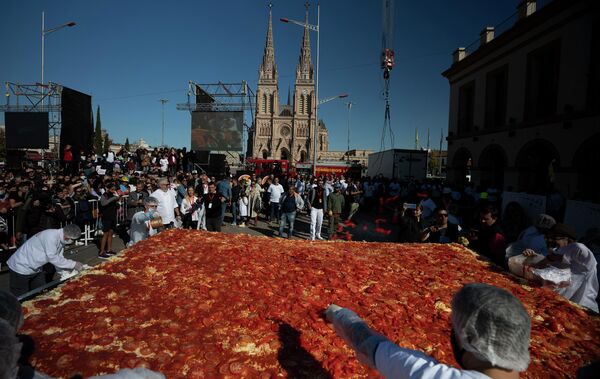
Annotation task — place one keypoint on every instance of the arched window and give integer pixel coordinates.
(264, 103)
(265, 154)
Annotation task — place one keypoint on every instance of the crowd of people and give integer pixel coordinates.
(42, 211)
(145, 192)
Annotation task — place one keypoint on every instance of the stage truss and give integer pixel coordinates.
(37, 98)
(221, 97)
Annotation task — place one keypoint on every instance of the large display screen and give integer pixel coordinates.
(217, 130)
(27, 130)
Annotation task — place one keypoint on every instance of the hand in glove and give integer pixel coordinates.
(355, 332)
(78, 266)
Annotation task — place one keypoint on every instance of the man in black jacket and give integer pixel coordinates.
(212, 203)
(443, 231)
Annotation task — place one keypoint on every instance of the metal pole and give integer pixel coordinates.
(42, 51)
(440, 153)
(348, 151)
(317, 91)
(162, 136)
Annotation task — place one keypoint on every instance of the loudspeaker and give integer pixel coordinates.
(202, 157)
(76, 116)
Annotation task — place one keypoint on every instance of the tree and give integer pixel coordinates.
(98, 134)
(127, 144)
(107, 143)
(433, 163)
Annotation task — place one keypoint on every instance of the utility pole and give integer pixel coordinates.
(440, 151)
(162, 135)
(348, 150)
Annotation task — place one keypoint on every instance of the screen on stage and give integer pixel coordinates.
(217, 130)
(26, 130)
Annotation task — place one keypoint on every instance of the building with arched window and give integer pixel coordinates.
(286, 131)
(525, 105)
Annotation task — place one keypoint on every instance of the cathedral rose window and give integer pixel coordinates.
(285, 131)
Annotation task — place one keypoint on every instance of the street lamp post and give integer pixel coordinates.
(48, 31)
(349, 104)
(317, 90)
(162, 134)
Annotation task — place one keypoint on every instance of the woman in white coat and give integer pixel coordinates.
(243, 203)
(190, 208)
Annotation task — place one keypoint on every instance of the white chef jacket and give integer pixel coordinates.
(44, 247)
(584, 280)
(395, 362)
(139, 229)
(167, 202)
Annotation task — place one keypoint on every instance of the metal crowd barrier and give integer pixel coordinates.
(12, 234)
(91, 228)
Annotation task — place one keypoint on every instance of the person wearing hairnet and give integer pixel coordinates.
(10, 310)
(10, 350)
(48, 246)
(140, 222)
(565, 250)
(532, 239)
(12, 313)
(489, 337)
(136, 373)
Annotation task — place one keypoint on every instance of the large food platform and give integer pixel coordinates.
(198, 304)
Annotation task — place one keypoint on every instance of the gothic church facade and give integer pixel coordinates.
(285, 131)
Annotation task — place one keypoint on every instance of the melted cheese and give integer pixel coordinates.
(52, 330)
(252, 349)
(440, 306)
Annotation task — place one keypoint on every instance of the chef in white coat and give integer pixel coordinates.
(47, 246)
(490, 339)
(167, 203)
(564, 250)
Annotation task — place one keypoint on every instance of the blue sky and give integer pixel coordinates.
(130, 54)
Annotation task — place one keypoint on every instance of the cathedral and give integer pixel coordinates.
(286, 131)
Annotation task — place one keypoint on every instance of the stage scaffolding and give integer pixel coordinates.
(37, 98)
(221, 97)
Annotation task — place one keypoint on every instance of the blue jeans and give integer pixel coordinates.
(223, 209)
(274, 214)
(287, 217)
(234, 212)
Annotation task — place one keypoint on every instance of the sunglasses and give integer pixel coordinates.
(443, 214)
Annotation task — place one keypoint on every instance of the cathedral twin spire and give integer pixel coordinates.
(304, 70)
(268, 68)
